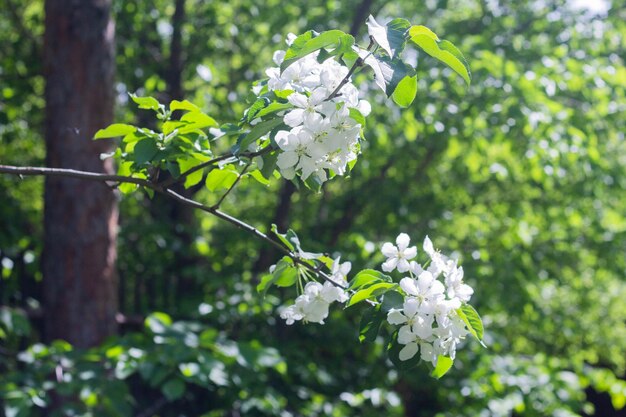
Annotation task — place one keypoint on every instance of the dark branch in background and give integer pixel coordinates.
(359, 17)
(94, 176)
(149, 412)
(174, 76)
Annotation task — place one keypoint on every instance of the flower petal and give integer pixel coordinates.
(396, 317)
(403, 241)
(408, 351)
(389, 250)
(294, 118)
(408, 285)
(287, 160)
(410, 307)
(428, 246)
(405, 335)
(403, 265)
(298, 100)
(410, 253)
(390, 264)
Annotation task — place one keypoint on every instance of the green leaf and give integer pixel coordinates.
(387, 72)
(289, 239)
(392, 299)
(356, 115)
(472, 320)
(149, 103)
(391, 37)
(257, 106)
(444, 364)
(269, 164)
(265, 284)
(124, 169)
(443, 50)
(193, 178)
(370, 324)
(184, 105)
(367, 277)
(371, 291)
(308, 43)
(145, 150)
(221, 178)
(285, 275)
(273, 108)
(257, 131)
(173, 389)
(115, 130)
(258, 176)
(405, 92)
(196, 120)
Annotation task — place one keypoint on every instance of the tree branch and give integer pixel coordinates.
(72, 173)
(96, 176)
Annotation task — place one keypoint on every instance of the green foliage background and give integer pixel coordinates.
(523, 175)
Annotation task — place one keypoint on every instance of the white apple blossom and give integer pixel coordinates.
(428, 320)
(313, 304)
(398, 256)
(321, 110)
(339, 271)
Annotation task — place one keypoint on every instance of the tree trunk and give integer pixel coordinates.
(80, 217)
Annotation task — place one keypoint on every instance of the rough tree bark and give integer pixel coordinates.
(80, 218)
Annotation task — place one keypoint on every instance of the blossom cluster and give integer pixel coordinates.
(322, 135)
(430, 323)
(313, 304)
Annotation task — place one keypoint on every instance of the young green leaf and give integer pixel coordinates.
(144, 151)
(193, 178)
(369, 292)
(472, 320)
(257, 106)
(285, 275)
(444, 364)
(257, 131)
(289, 239)
(367, 277)
(405, 92)
(184, 105)
(221, 178)
(115, 130)
(149, 103)
(443, 50)
(308, 43)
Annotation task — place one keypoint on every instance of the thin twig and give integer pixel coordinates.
(357, 64)
(234, 184)
(72, 173)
